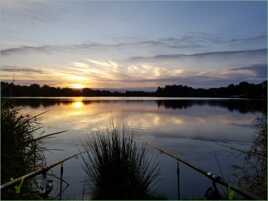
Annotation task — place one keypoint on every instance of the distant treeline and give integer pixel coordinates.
(241, 90)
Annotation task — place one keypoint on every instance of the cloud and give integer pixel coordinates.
(190, 41)
(259, 70)
(261, 37)
(35, 11)
(169, 43)
(26, 49)
(195, 81)
(205, 69)
(103, 73)
(20, 69)
(255, 73)
(200, 55)
(173, 43)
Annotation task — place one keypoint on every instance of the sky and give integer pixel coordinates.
(132, 44)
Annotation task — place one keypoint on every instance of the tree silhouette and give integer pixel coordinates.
(242, 90)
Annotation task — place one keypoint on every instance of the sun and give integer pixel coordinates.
(77, 86)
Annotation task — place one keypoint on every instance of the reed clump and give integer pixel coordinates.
(118, 168)
(20, 153)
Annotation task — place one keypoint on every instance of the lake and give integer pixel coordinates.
(201, 131)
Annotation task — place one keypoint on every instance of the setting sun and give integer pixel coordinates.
(77, 86)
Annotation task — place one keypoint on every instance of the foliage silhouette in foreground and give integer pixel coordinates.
(118, 168)
(252, 174)
(20, 152)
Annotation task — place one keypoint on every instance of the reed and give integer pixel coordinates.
(117, 168)
(20, 153)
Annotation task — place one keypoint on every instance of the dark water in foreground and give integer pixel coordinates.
(199, 130)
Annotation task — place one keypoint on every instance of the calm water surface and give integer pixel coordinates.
(199, 130)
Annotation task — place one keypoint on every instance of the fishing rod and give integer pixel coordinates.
(243, 151)
(211, 176)
(47, 135)
(36, 172)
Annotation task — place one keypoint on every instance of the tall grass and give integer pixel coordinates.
(117, 167)
(20, 153)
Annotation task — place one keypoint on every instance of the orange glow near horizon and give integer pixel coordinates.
(77, 86)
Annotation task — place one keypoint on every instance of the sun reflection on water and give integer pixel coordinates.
(77, 104)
